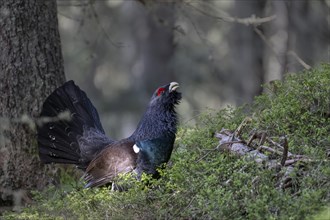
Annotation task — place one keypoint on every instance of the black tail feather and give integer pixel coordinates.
(64, 141)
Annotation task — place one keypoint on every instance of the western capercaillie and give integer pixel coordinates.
(83, 142)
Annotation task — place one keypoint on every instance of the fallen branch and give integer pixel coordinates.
(285, 152)
(282, 161)
(229, 142)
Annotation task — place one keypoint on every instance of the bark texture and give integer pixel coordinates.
(31, 67)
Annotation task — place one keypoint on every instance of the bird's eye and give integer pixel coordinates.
(160, 91)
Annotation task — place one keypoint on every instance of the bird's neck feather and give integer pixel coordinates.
(156, 121)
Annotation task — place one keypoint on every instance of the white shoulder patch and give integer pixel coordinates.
(136, 149)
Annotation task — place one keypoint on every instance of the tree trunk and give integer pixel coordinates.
(31, 67)
(153, 44)
(277, 31)
(246, 53)
(309, 33)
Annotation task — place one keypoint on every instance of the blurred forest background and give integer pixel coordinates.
(221, 52)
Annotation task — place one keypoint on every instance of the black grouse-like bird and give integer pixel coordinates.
(83, 142)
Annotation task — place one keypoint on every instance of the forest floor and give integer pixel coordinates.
(266, 160)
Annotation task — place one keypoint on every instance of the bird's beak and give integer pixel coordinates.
(173, 86)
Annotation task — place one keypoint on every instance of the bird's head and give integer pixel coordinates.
(166, 95)
(160, 117)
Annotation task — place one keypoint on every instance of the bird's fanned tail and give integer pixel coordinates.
(73, 140)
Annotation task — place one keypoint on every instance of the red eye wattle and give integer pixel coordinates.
(160, 91)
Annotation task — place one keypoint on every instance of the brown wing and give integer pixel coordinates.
(114, 159)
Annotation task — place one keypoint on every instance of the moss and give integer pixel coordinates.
(202, 183)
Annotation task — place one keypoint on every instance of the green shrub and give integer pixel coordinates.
(202, 183)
